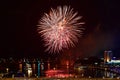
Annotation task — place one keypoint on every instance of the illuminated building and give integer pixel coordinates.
(33, 68)
(115, 61)
(20, 67)
(107, 56)
(28, 69)
(39, 68)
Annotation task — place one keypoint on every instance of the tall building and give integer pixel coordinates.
(107, 56)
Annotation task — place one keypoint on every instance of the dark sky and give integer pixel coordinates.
(19, 31)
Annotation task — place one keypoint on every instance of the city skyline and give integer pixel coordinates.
(20, 37)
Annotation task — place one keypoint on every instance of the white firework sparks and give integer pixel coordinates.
(60, 28)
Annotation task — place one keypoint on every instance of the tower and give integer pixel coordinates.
(107, 56)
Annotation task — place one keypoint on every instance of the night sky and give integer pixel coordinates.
(19, 31)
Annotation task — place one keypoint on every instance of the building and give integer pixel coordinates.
(107, 56)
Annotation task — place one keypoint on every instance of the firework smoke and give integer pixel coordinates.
(60, 28)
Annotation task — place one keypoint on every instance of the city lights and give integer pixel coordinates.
(60, 40)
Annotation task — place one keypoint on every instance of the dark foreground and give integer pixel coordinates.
(60, 79)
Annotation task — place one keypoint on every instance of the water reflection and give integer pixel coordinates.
(95, 73)
(79, 71)
(57, 74)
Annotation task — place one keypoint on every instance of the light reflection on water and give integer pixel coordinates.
(82, 73)
(57, 74)
(96, 73)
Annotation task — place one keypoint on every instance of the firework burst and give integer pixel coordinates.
(60, 28)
